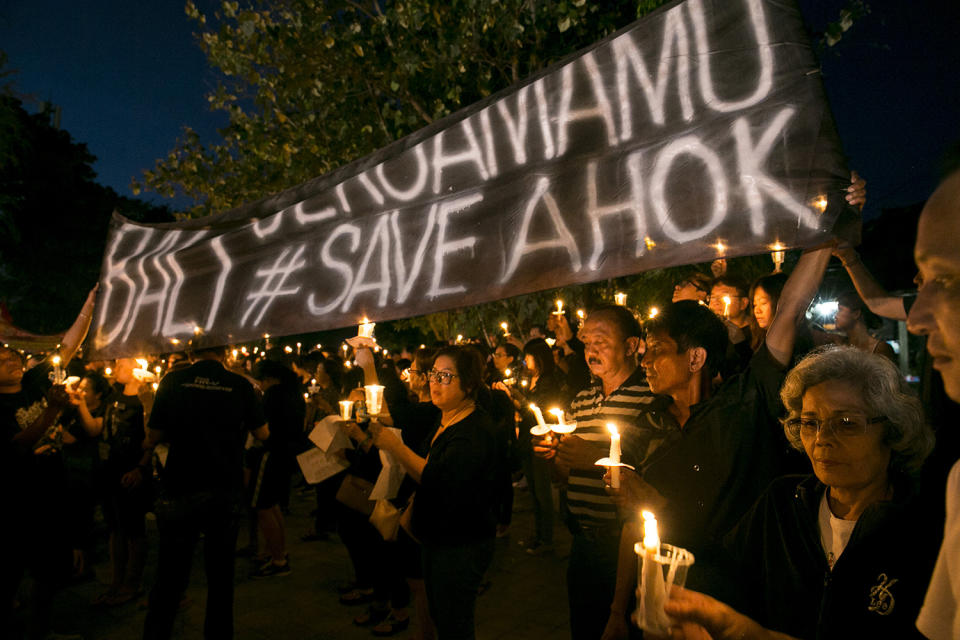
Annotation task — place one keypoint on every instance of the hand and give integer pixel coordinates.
(634, 492)
(701, 616)
(132, 479)
(75, 397)
(364, 358)
(352, 429)
(546, 449)
(845, 253)
(616, 628)
(499, 386)
(563, 332)
(576, 453)
(383, 438)
(857, 191)
(718, 267)
(57, 397)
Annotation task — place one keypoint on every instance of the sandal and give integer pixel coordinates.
(391, 626)
(372, 616)
(357, 596)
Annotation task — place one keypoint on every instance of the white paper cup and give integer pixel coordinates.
(657, 575)
(346, 409)
(374, 394)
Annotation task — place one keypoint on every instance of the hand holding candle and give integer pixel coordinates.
(653, 588)
(542, 427)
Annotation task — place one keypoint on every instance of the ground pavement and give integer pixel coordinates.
(526, 598)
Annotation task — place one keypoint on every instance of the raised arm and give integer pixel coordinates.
(798, 291)
(871, 292)
(74, 336)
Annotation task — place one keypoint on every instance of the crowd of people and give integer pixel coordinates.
(794, 464)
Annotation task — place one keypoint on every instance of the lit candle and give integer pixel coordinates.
(559, 311)
(538, 415)
(652, 590)
(366, 328)
(550, 342)
(107, 371)
(57, 370)
(346, 409)
(508, 378)
(581, 315)
(820, 203)
(720, 247)
(298, 348)
(288, 349)
(653, 312)
(726, 306)
(313, 388)
(614, 455)
(778, 256)
(235, 354)
(319, 346)
(650, 244)
(542, 428)
(155, 386)
(374, 395)
(506, 331)
(459, 338)
(620, 298)
(562, 427)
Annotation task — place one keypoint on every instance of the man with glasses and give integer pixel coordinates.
(696, 288)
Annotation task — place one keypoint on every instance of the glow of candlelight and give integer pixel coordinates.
(197, 330)
(550, 341)
(538, 415)
(459, 338)
(726, 306)
(559, 311)
(235, 353)
(155, 386)
(374, 397)
(654, 312)
(288, 349)
(319, 346)
(346, 409)
(720, 247)
(651, 536)
(614, 455)
(107, 371)
(506, 330)
(650, 244)
(620, 298)
(820, 203)
(366, 328)
(157, 369)
(778, 256)
(143, 363)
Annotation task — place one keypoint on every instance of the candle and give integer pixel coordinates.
(288, 349)
(726, 306)
(562, 427)
(374, 396)
(620, 298)
(508, 378)
(581, 315)
(298, 348)
(652, 590)
(366, 328)
(542, 427)
(559, 311)
(346, 409)
(57, 370)
(506, 330)
(614, 455)
(107, 371)
(550, 342)
(313, 388)
(654, 312)
(820, 203)
(459, 338)
(778, 256)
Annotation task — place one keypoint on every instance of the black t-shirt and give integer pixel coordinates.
(456, 498)
(205, 413)
(17, 411)
(285, 410)
(121, 441)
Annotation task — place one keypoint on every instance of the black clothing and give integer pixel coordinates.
(122, 436)
(876, 587)
(205, 412)
(726, 454)
(455, 501)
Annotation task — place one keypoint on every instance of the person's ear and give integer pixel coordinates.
(633, 345)
(697, 358)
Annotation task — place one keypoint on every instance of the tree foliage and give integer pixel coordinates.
(53, 218)
(311, 85)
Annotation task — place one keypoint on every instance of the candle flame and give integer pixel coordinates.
(648, 241)
(612, 428)
(107, 371)
(557, 412)
(319, 346)
(720, 247)
(235, 354)
(197, 330)
(820, 203)
(507, 372)
(56, 360)
(653, 312)
(778, 247)
(581, 314)
(550, 341)
(620, 298)
(651, 537)
(288, 349)
(503, 325)
(559, 307)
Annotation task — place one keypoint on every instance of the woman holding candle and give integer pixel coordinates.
(546, 391)
(453, 511)
(846, 552)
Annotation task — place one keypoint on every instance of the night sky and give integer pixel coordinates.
(128, 76)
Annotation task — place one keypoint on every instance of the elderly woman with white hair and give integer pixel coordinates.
(845, 552)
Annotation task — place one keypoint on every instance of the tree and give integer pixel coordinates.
(311, 85)
(53, 218)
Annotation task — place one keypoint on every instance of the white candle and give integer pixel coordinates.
(559, 311)
(374, 396)
(726, 306)
(346, 409)
(614, 455)
(538, 415)
(652, 590)
(57, 371)
(366, 328)
(620, 298)
(506, 330)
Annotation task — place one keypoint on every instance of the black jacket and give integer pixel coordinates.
(877, 584)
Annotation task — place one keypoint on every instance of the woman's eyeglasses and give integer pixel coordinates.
(440, 377)
(840, 426)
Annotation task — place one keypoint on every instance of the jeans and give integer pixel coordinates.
(452, 575)
(218, 519)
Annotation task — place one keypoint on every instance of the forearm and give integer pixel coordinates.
(29, 436)
(78, 330)
(93, 426)
(797, 294)
(413, 463)
(870, 291)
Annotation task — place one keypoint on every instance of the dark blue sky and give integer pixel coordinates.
(129, 75)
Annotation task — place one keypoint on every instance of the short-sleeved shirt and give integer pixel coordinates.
(643, 426)
(17, 412)
(205, 413)
(121, 441)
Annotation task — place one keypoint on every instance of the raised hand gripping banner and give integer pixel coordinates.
(701, 130)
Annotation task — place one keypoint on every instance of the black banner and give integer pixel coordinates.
(701, 130)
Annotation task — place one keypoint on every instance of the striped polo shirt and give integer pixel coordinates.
(639, 416)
